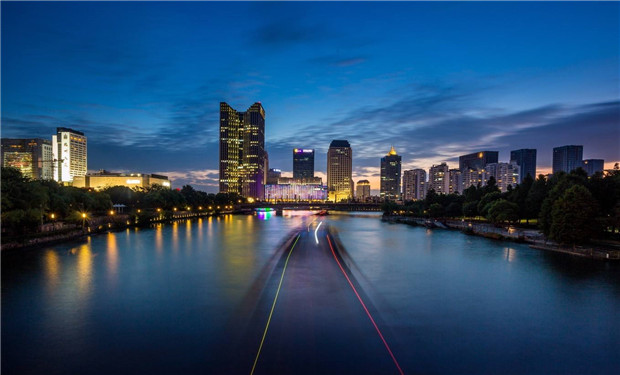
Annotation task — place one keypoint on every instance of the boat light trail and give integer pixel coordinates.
(365, 309)
(315, 233)
(273, 306)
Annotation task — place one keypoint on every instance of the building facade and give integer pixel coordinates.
(477, 160)
(362, 190)
(32, 156)
(390, 176)
(272, 176)
(105, 179)
(456, 183)
(340, 170)
(242, 151)
(474, 177)
(303, 163)
(296, 189)
(525, 158)
(439, 178)
(591, 166)
(69, 152)
(414, 184)
(567, 158)
(505, 174)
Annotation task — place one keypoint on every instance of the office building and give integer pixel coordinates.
(303, 163)
(567, 158)
(505, 174)
(477, 160)
(474, 177)
(242, 151)
(340, 170)
(272, 176)
(288, 189)
(591, 166)
(414, 184)
(456, 184)
(439, 178)
(390, 176)
(104, 179)
(32, 156)
(525, 158)
(362, 190)
(70, 154)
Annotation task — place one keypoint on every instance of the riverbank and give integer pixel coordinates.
(534, 238)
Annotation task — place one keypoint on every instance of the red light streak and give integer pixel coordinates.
(365, 308)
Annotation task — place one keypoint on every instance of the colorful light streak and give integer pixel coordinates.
(316, 238)
(273, 306)
(365, 308)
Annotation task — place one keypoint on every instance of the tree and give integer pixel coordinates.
(485, 202)
(502, 211)
(435, 210)
(470, 209)
(389, 207)
(573, 216)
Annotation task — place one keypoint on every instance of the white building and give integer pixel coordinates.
(456, 183)
(69, 149)
(414, 184)
(506, 174)
(439, 178)
(474, 177)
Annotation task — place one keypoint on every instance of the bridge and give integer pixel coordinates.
(328, 206)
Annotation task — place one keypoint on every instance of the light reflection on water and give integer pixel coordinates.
(146, 300)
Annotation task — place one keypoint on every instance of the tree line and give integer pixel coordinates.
(27, 203)
(569, 208)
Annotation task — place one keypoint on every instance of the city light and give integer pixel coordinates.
(111, 212)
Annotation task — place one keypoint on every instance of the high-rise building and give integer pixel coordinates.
(505, 174)
(390, 176)
(567, 158)
(70, 153)
(591, 166)
(414, 184)
(265, 168)
(272, 176)
(340, 170)
(362, 192)
(439, 178)
(456, 184)
(303, 163)
(242, 151)
(525, 158)
(477, 160)
(32, 156)
(474, 177)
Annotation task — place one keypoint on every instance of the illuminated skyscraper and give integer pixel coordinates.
(591, 166)
(414, 184)
(390, 176)
(456, 183)
(439, 178)
(477, 160)
(567, 158)
(526, 160)
(362, 192)
(32, 156)
(303, 163)
(242, 151)
(70, 152)
(340, 170)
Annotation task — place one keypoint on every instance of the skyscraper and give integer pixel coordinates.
(242, 151)
(32, 156)
(340, 170)
(362, 192)
(414, 184)
(505, 174)
(525, 158)
(456, 184)
(477, 160)
(567, 158)
(70, 152)
(439, 178)
(591, 166)
(303, 163)
(390, 176)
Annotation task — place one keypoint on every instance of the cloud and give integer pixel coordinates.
(202, 179)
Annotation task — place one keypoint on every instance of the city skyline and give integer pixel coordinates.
(147, 94)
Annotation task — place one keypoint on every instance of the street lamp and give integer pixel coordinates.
(83, 219)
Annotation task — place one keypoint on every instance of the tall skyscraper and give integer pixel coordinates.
(70, 152)
(567, 158)
(303, 163)
(32, 156)
(591, 166)
(456, 184)
(340, 170)
(362, 192)
(390, 176)
(414, 184)
(477, 160)
(525, 158)
(439, 178)
(242, 151)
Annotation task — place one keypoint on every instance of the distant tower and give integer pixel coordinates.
(362, 192)
(340, 170)
(477, 160)
(567, 158)
(70, 152)
(303, 163)
(414, 184)
(390, 176)
(439, 178)
(591, 166)
(525, 158)
(242, 151)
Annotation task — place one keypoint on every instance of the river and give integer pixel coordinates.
(160, 300)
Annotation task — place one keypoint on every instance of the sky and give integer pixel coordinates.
(143, 80)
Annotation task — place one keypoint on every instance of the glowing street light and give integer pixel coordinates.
(111, 212)
(83, 219)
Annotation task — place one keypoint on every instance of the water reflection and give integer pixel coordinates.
(112, 257)
(159, 239)
(52, 270)
(84, 269)
(510, 254)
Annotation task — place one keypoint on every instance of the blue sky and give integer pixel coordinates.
(144, 80)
